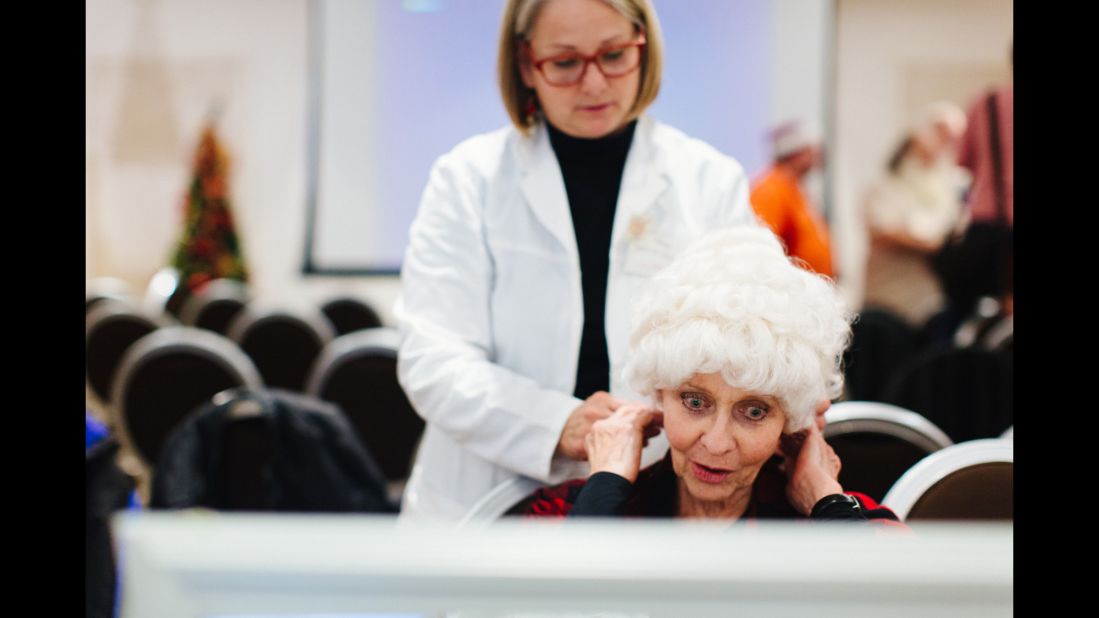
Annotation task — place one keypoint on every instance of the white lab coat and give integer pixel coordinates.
(491, 307)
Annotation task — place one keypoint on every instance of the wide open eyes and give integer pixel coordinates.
(698, 403)
(755, 412)
(694, 402)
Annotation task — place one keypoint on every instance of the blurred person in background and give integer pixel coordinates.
(779, 199)
(911, 211)
(531, 244)
(736, 346)
(978, 263)
(988, 152)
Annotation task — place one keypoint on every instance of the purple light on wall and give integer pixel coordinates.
(437, 87)
(716, 81)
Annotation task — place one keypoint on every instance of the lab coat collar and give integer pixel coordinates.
(543, 186)
(643, 181)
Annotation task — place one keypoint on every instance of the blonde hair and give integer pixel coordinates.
(519, 18)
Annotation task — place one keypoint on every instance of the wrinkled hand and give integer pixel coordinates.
(598, 406)
(813, 474)
(614, 443)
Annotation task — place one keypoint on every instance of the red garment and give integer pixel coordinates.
(781, 204)
(976, 155)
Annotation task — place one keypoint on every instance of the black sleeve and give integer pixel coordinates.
(603, 495)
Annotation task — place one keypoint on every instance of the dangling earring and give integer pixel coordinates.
(532, 107)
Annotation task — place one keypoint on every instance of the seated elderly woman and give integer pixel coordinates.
(739, 350)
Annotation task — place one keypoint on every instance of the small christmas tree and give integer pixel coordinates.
(209, 248)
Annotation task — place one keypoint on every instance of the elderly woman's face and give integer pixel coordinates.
(720, 436)
(597, 105)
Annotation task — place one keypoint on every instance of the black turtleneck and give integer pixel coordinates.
(592, 169)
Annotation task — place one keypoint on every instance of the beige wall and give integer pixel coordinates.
(892, 58)
(153, 70)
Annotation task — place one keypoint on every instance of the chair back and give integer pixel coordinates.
(877, 443)
(349, 314)
(110, 328)
(164, 376)
(214, 305)
(968, 481)
(282, 342)
(967, 392)
(106, 288)
(358, 372)
(880, 342)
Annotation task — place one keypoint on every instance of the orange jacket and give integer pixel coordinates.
(780, 203)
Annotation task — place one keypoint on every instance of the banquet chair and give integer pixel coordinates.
(880, 342)
(110, 328)
(106, 288)
(281, 341)
(878, 442)
(214, 305)
(348, 314)
(966, 392)
(164, 376)
(968, 481)
(358, 372)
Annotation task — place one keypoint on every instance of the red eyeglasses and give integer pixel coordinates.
(568, 69)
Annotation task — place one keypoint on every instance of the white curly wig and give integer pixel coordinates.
(735, 304)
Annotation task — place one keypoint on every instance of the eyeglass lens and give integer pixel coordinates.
(568, 69)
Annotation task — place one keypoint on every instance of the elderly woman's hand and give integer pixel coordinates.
(614, 444)
(598, 406)
(813, 474)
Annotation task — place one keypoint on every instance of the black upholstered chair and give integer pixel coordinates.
(282, 342)
(110, 328)
(358, 372)
(214, 305)
(969, 481)
(348, 314)
(880, 343)
(164, 376)
(967, 392)
(877, 443)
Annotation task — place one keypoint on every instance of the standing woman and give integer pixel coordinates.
(532, 243)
